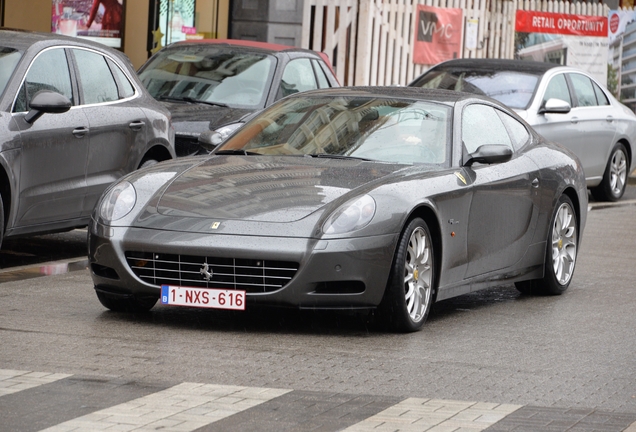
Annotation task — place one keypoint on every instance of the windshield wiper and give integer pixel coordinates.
(240, 152)
(336, 156)
(192, 100)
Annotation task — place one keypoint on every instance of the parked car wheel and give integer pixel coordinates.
(409, 292)
(147, 162)
(126, 304)
(1, 220)
(560, 255)
(614, 181)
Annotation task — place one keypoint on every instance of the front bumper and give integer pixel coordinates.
(332, 274)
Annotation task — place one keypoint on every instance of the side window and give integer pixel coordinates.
(297, 77)
(558, 89)
(517, 131)
(481, 125)
(323, 82)
(600, 95)
(126, 89)
(583, 89)
(96, 81)
(49, 71)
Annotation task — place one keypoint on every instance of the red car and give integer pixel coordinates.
(215, 84)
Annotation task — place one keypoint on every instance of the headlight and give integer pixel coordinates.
(119, 201)
(351, 216)
(225, 131)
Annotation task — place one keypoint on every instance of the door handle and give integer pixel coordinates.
(136, 125)
(609, 119)
(80, 132)
(574, 120)
(535, 183)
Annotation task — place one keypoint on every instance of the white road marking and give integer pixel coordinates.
(182, 408)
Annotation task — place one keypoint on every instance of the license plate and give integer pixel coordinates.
(202, 297)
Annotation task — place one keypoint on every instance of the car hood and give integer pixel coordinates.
(266, 189)
(193, 118)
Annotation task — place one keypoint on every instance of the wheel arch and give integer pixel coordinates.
(428, 215)
(5, 195)
(570, 192)
(157, 152)
(628, 148)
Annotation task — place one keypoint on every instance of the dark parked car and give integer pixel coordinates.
(564, 104)
(74, 119)
(352, 198)
(213, 85)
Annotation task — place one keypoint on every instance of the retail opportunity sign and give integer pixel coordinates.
(573, 40)
(98, 20)
(438, 35)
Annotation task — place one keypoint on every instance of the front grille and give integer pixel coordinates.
(250, 275)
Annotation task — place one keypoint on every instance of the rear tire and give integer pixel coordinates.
(126, 304)
(147, 162)
(560, 256)
(614, 181)
(1, 220)
(409, 293)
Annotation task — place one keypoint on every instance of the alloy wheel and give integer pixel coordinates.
(418, 274)
(618, 172)
(564, 244)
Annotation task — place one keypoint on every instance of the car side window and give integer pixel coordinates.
(583, 90)
(517, 131)
(557, 89)
(297, 77)
(481, 125)
(323, 82)
(97, 83)
(126, 89)
(49, 71)
(601, 98)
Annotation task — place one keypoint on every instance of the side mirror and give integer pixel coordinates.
(46, 101)
(489, 154)
(555, 106)
(210, 139)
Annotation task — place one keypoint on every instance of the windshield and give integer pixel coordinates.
(514, 89)
(9, 58)
(388, 130)
(210, 74)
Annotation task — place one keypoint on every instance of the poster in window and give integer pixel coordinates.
(98, 20)
(176, 20)
(438, 34)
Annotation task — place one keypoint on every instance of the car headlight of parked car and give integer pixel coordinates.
(118, 202)
(227, 130)
(351, 216)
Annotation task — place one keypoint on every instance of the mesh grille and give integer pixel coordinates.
(254, 276)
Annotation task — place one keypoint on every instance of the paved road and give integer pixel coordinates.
(492, 360)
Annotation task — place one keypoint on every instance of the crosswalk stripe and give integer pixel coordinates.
(419, 415)
(184, 407)
(12, 381)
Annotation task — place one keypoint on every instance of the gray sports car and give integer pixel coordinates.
(351, 198)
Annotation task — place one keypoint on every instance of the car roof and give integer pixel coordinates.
(418, 93)
(23, 39)
(249, 44)
(533, 67)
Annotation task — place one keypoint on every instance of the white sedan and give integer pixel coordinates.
(564, 104)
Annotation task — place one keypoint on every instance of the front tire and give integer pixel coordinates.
(560, 256)
(410, 291)
(614, 181)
